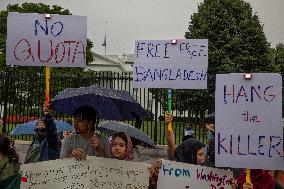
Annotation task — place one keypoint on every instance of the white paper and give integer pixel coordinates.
(187, 176)
(249, 131)
(92, 173)
(160, 64)
(33, 40)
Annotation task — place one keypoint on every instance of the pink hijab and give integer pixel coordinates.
(129, 155)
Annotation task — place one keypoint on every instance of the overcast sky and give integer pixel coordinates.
(130, 20)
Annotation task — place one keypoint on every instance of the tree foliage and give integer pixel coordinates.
(236, 44)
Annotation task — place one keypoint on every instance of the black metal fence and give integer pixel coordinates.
(22, 98)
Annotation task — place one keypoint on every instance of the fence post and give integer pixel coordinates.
(5, 112)
(156, 118)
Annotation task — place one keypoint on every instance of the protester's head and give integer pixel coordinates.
(259, 178)
(85, 119)
(40, 129)
(121, 147)
(190, 151)
(188, 133)
(7, 150)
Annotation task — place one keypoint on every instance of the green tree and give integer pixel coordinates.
(277, 57)
(236, 44)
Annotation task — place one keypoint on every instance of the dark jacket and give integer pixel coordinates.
(51, 145)
(47, 149)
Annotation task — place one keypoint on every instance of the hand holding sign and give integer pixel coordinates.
(79, 154)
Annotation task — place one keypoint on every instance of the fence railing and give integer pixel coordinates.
(22, 98)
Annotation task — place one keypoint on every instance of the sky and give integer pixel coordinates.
(124, 21)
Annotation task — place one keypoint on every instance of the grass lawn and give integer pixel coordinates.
(147, 127)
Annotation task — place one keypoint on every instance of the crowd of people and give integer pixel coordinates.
(84, 141)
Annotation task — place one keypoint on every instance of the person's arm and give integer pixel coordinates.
(51, 133)
(154, 172)
(170, 137)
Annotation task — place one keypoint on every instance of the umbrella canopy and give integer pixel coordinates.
(29, 127)
(110, 103)
(113, 127)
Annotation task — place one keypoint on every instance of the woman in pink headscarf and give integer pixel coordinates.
(121, 147)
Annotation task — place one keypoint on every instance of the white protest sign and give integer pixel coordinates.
(160, 64)
(249, 131)
(61, 174)
(187, 176)
(93, 173)
(112, 174)
(33, 40)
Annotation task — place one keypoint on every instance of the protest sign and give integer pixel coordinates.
(161, 64)
(94, 173)
(249, 131)
(33, 40)
(187, 176)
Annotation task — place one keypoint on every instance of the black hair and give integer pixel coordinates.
(89, 113)
(7, 149)
(186, 152)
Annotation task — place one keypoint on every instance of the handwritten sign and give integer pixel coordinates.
(186, 176)
(249, 131)
(33, 40)
(161, 64)
(93, 173)
(62, 173)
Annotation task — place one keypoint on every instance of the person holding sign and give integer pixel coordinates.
(83, 142)
(46, 145)
(121, 147)
(190, 151)
(9, 164)
(260, 179)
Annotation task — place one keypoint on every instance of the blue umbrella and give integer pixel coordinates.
(28, 128)
(112, 127)
(110, 103)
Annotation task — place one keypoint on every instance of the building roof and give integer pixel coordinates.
(110, 63)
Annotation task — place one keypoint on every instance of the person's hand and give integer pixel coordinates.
(46, 109)
(168, 117)
(79, 154)
(95, 142)
(234, 184)
(154, 169)
(247, 186)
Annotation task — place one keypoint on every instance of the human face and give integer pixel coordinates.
(118, 147)
(81, 125)
(201, 156)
